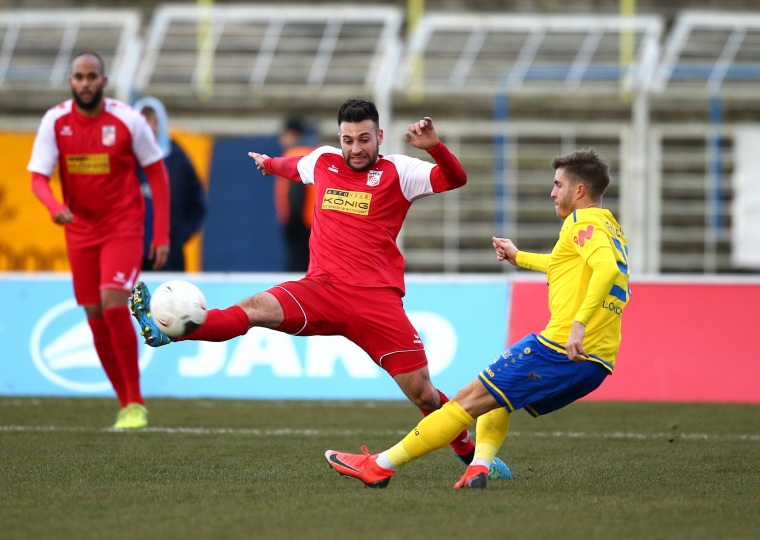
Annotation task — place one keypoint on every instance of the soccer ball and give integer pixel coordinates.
(178, 307)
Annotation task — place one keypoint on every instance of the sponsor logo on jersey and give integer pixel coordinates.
(109, 135)
(613, 307)
(63, 352)
(584, 235)
(373, 178)
(352, 202)
(332, 168)
(88, 163)
(66, 131)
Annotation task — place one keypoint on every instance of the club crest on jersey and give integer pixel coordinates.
(109, 135)
(373, 178)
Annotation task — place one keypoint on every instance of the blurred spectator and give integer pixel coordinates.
(188, 199)
(294, 201)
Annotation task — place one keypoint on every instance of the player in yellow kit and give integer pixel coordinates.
(587, 273)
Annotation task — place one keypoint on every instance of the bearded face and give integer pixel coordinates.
(360, 144)
(87, 82)
(88, 100)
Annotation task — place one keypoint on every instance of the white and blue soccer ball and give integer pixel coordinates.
(178, 307)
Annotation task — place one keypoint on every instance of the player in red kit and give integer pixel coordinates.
(355, 281)
(96, 143)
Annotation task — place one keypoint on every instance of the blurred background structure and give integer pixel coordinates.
(668, 92)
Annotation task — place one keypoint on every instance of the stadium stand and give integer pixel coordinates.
(659, 92)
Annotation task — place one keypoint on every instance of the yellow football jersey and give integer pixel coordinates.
(587, 272)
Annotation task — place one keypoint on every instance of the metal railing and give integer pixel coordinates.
(37, 46)
(673, 194)
(451, 232)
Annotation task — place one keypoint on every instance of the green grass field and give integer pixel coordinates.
(255, 469)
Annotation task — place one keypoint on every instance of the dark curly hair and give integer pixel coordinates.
(358, 110)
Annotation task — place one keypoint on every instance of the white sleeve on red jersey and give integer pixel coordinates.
(413, 176)
(307, 163)
(45, 150)
(144, 143)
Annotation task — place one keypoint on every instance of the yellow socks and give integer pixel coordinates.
(490, 432)
(435, 431)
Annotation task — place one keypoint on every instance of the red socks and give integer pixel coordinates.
(221, 325)
(102, 340)
(124, 345)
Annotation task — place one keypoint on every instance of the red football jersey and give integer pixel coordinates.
(96, 159)
(358, 215)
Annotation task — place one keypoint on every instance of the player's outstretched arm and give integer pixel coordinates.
(505, 250)
(287, 166)
(422, 134)
(259, 160)
(448, 173)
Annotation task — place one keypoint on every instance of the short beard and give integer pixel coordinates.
(97, 97)
(367, 167)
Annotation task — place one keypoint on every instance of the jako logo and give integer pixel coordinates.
(584, 235)
(61, 348)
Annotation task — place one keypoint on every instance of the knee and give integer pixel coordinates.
(427, 399)
(418, 388)
(262, 309)
(94, 311)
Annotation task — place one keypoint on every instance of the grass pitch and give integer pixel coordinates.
(255, 469)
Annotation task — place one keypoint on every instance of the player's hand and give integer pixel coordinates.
(505, 250)
(63, 217)
(259, 159)
(422, 134)
(574, 347)
(159, 255)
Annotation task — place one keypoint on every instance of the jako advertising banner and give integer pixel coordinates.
(47, 345)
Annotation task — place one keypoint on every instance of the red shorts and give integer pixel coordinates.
(373, 318)
(114, 264)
